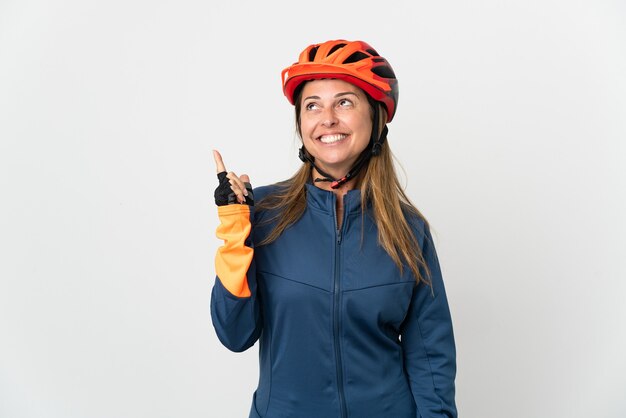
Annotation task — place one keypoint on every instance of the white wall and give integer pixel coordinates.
(511, 128)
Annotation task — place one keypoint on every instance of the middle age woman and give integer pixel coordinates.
(334, 270)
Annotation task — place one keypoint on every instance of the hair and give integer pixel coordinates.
(379, 185)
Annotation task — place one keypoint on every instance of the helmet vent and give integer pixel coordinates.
(373, 52)
(312, 53)
(384, 72)
(357, 56)
(336, 47)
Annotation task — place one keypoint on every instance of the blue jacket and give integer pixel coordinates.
(342, 332)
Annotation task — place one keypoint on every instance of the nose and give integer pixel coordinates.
(329, 118)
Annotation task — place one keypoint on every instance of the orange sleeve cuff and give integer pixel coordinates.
(234, 257)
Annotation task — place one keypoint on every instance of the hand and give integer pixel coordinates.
(232, 188)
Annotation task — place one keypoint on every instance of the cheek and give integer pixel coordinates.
(306, 127)
(365, 128)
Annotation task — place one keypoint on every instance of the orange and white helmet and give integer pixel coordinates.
(353, 61)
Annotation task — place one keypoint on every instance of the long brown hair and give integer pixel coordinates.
(379, 185)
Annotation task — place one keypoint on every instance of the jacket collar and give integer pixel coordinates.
(325, 200)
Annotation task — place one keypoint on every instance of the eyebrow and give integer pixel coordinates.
(345, 93)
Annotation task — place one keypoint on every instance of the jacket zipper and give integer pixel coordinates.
(336, 302)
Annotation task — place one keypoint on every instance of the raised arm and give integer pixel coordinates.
(235, 310)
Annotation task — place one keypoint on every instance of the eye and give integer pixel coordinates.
(345, 103)
(311, 106)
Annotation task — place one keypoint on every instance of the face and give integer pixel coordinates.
(335, 123)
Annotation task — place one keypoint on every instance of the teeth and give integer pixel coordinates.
(329, 139)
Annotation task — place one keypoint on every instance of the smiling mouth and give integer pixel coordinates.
(331, 139)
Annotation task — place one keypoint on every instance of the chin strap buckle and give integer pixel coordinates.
(335, 184)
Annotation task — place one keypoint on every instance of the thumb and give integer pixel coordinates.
(245, 178)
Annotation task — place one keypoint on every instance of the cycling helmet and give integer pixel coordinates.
(353, 61)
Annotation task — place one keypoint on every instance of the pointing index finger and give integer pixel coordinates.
(218, 161)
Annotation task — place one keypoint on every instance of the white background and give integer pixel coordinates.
(511, 129)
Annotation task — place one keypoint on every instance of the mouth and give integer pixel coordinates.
(331, 139)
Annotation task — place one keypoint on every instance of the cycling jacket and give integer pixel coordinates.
(342, 332)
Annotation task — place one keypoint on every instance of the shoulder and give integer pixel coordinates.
(267, 200)
(262, 192)
(415, 219)
(417, 222)
(269, 191)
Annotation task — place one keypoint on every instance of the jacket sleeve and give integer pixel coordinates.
(234, 304)
(428, 344)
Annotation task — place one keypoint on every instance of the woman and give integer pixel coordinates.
(334, 270)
